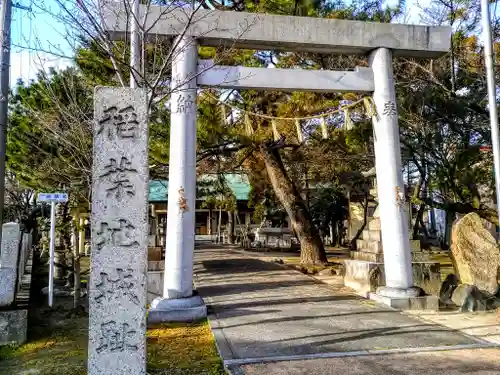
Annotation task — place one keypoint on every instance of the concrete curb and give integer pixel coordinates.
(222, 344)
(361, 353)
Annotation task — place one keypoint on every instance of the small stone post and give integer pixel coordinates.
(391, 194)
(117, 294)
(178, 302)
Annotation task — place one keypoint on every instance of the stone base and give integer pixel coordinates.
(362, 276)
(13, 327)
(367, 256)
(427, 303)
(177, 310)
(155, 285)
(365, 276)
(371, 256)
(391, 292)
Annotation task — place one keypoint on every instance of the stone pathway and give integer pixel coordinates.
(266, 317)
(483, 325)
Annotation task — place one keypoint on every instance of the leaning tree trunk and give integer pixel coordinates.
(311, 246)
(66, 232)
(417, 227)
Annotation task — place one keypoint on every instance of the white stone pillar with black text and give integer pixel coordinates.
(119, 229)
(178, 302)
(393, 216)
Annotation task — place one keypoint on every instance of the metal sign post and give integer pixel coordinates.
(53, 198)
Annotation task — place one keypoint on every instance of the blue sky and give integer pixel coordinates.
(37, 29)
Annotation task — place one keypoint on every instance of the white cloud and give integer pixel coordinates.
(25, 64)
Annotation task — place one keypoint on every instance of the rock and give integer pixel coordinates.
(447, 288)
(326, 272)
(57, 292)
(469, 298)
(475, 254)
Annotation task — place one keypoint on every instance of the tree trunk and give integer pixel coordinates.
(311, 246)
(418, 221)
(209, 222)
(66, 232)
(219, 223)
(332, 241)
(230, 228)
(352, 244)
(76, 263)
(450, 218)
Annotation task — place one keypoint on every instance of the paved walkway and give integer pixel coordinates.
(268, 318)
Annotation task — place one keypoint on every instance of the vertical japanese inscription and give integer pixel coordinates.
(119, 174)
(119, 233)
(116, 337)
(389, 109)
(185, 103)
(118, 122)
(123, 284)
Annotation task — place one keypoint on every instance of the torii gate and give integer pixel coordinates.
(381, 42)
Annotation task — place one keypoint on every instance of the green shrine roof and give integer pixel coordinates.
(238, 183)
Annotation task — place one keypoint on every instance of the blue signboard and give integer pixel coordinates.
(53, 197)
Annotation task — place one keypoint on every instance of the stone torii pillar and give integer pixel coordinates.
(178, 302)
(393, 217)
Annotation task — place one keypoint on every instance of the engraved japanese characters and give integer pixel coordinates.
(117, 294)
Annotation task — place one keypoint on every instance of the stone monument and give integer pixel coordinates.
(117, 294)
(475, 254)
(13, 319)
(13, 327)
(9, 255)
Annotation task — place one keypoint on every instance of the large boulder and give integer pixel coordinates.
(475, 254)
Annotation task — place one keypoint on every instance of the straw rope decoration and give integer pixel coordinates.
(324, 129)
(369, 106)
(347, 120)
(223, 113)
(276, 134)
(300, 137)
(367, 102)
(248, 126)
